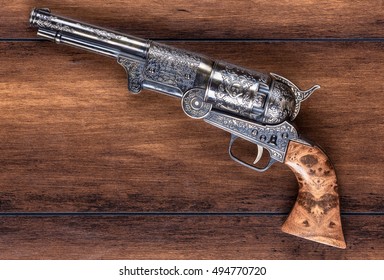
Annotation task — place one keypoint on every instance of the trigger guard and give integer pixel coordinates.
(236, 159)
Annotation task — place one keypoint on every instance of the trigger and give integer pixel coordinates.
(260, 151)
(259, 154)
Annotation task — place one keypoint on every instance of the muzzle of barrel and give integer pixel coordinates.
(86, 36)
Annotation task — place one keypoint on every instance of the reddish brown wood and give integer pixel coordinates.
(178, 237)
(216, 19)
(316, 213)
(73, 140)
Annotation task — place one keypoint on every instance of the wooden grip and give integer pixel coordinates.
(316, 213)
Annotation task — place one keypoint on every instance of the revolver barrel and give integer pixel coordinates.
(248, 104)
(253, 95)
(86, 36)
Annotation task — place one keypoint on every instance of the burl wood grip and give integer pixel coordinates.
(316, 213)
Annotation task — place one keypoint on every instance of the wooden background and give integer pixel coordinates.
(89, 171)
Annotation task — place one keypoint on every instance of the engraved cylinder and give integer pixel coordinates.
(251, 94)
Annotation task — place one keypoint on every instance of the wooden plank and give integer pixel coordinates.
(178, 237)
(211, 19)
(74, 140)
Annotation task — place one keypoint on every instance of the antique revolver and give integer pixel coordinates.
(254, 106)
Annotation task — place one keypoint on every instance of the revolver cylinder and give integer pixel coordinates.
(248, 104)
(265, 98)
(250, 94)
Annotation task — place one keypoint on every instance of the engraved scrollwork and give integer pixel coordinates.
(299, 95)
(274, 138)
(50, 22)
(280, 105)
(238, 91)
(135, 73)
(171, 66)
(100, 33)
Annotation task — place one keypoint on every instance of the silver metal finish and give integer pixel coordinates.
(134, 69)
(274, 138)
(171, 66)
(193, 104)
(238, 91)
(76, 33)
(265, 98)
(299, 95)
(260, 149)
(248, 104)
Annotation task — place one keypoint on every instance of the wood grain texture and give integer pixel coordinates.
(71, 133)
(316, 213)
(75, 144)
(177, 237)
(208, 19)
